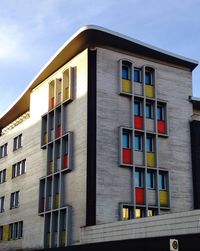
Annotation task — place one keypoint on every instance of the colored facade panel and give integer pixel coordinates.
(150, 159)
(161, 126)
(58, 131)
(9, 173)
(138, 122)
(164, 200)
(63, 238)
(52, 102)
(139, 192)
(126, 86)
(42, 204)
(127, 156)
(51, 167)
(149, 91)
(5, 232)
(65, 161)
(57, 200)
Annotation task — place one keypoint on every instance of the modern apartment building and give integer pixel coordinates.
(100, 136)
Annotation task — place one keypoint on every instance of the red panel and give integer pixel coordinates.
(42, 204)
(127, 156)
(138, 122)
(52, 102)
(161, 126)
(65, 161)
(58, 131)
(139, 196)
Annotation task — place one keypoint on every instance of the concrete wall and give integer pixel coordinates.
(163, 225)
(114, 182)
(28, 183)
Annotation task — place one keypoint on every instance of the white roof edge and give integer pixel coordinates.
(140, 43)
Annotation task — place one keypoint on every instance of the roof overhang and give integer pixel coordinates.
(195, 101)
(89, 37)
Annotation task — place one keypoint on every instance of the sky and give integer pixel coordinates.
(31, 31)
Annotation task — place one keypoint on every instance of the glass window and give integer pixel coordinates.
(126, 72)
(126, 140)
(138, 178)
(149, 144)
(150, 180)
(137, 75)
(127, 212)
(139, 213)
(149, 111)
(151, 212)
(2, 199)
(148, 78)
(160, 113)
(137, 108)
(138, 142)
(162, 181)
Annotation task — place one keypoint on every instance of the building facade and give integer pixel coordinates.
(101, 135)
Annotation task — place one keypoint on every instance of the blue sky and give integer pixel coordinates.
(32, 31)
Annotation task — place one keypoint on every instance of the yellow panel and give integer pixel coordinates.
(57, 200)
(164, 199)
(151, 159)
(48, 239)
(5, 232)
(126, 86)
(125, 213)
(9, 173)
(66, 96)
(63, 237)
(149, 91)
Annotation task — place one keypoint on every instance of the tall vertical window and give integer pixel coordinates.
(137, 111)
(137, 75)
(149, 144)
(126, 71)
(139, 212)
(19, 168)
(139, 178)
(2, 202)
(150, 180)
(14, 200)
(138, 142)
(2, 176)
(126, 140)
(16, 230)
(148, 77)
(17, 142)
(1, 233)
(149, 110)
(163, 181)
(4, 150)
(160, 113)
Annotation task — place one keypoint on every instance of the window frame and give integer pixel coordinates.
(139, 180)
(152, 183)
(149, 73)
(137, 104)
(124, 132)
(16, 230)
(151, 149)
(139, 71)
(163, 181)
(2, 204)
(150, 113)
(2, 176)
(162, 112)
(126, 65)
(139, 147)
(19, 168)
(14, 200)
(17, 142)
(3, 150)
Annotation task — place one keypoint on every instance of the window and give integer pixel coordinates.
(16, 230)
(149, 144)
(14, 200)
(126, 71)
(149, 111)
(152, 212)
(150, 180)
(137, 111)
(1, 233)
(17, 143)
(4, 150)
(160, 113)
(2, 202)
(138, 142)
(19, 168)
(148, 77)
(127, 212)
(137, 74)
(126, 140)
(139, 212)
(163, 181)
(138, 178)
(2, 176)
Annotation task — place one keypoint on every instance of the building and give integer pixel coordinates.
(100, 137)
